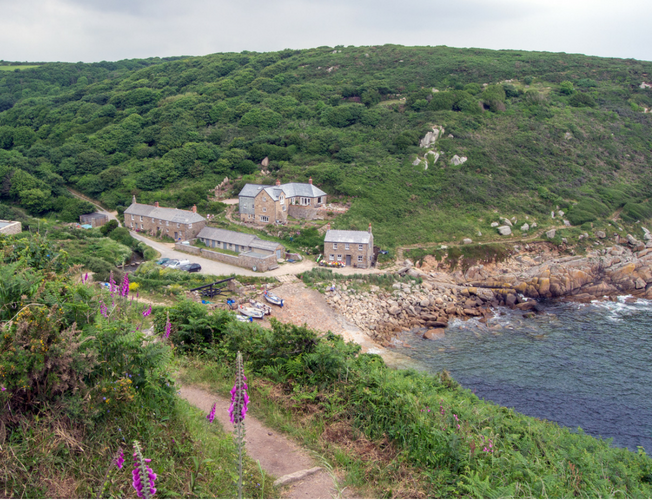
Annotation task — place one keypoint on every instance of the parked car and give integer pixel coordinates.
(177, 263)
(191, 268)
(163, 261)
(171, 262)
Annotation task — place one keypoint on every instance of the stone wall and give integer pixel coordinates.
(245, 260)
(12, 228)
(305, 212)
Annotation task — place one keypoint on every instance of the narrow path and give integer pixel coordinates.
(277, 455)
(100, 209)
(538, 234)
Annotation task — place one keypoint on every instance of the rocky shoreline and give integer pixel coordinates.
(532, 272)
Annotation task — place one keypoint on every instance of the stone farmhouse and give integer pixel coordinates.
(172, 222)
(239, 242)
(262, 204)
(354, 248)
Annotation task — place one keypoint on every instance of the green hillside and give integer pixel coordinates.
(567, 130)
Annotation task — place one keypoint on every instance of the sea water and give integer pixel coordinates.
(580, 365)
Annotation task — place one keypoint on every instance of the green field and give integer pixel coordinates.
(17, 67)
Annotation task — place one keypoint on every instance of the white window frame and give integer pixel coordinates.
(334, 246)
(264, 218)
(359, 258)
(190, 226)
(264, 198)
(360, 247)
(153, 220)
(132, 217)
(264, 209)
(284, 207)
(339, 257)
(167, 222)
(346, 246)
(178, 225)
(331, 258)
(282, 200)
(141, 218)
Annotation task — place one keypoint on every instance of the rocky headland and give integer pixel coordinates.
(531, 273)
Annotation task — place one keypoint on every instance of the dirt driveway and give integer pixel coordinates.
(304, 305)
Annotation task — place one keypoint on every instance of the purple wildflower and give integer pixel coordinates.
(3, 389)
(125, 286)
(211, 415)
(147, 311)
(168, 327)
(142, 474)
(119, 459)
(239, 396)
(112, 285)
(103, 310)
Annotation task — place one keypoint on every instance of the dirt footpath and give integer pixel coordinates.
(307, 306)
(277, 455)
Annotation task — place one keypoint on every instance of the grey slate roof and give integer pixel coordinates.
(235, 238)
(95, 215)
(293, 189)
(213, 233)
(290, 189)
(341, 236)
(167, 214)
(252, 190)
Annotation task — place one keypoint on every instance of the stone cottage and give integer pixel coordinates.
(239, 242)
(354, 248)
(96, 219)
(172, 222)
(10, 227)
(262, 204)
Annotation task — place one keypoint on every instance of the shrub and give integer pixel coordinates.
(579, 100)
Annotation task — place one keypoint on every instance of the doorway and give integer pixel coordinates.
(348, 260)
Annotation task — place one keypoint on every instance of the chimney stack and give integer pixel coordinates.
(194, 209)
(370, 228)
(278, 182)
(133, 199)
(310, 181)
(156, 204)
(328, 226)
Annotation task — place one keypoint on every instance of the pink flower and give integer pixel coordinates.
(211, 415)
(147, 311)
(143, 475)
(3, 389)
(120, 459)
(168, 326)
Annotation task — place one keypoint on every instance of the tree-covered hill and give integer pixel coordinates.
(540, 130)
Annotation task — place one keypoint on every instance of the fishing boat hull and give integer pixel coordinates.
(273, 299)
(251, 312)
(261, 307)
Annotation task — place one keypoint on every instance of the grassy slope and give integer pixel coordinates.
(170, 130)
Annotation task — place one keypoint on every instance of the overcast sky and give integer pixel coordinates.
(96, 30)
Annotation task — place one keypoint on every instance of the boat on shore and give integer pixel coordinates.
(252, 312)
(262, 307)
(273, 299)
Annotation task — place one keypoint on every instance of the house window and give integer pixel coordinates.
(264, 218)
(132, 217)
(167, 222)
(264, 209)
(305, 201)
(346, 246)
(153, 220)
(284, 208)
(189, 226)
(331, 257)
(319, 200)
(264, 198)
(334, 246)
(282, 200)
(339, 257)
(141, 218)
(359, 258)
(178, 225)
(360, 247)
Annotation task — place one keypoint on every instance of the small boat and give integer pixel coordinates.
(273, 299)
(244, 319)
(262, 307)
(252, 312)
